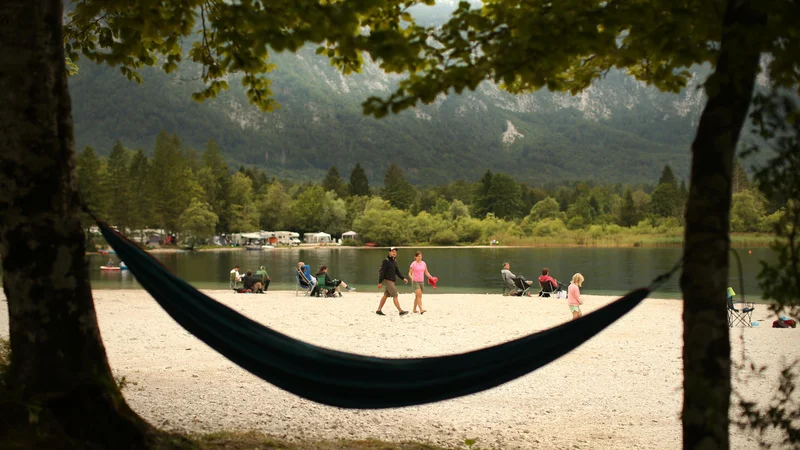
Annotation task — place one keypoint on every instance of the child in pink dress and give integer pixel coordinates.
(574, 296)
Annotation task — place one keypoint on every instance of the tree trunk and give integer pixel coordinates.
(706, 352)
(58, 360)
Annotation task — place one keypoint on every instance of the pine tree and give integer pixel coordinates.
(90, 184)
(504, 197)
(216, 181)
(481, 201)
(359, 185)
(739, 181)
(396, 189)
(333, 182)
(171, 181)
(117, 187)
(141, 194)
(668, 177)
(628, 215)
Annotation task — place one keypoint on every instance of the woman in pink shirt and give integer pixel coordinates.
(417, 273)
(574, 296)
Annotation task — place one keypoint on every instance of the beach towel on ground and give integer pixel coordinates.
(348, 380)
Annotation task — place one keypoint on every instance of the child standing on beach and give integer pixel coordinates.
(574, 296)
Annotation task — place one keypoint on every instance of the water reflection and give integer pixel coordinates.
(607, 270)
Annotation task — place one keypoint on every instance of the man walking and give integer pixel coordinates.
(388, 275)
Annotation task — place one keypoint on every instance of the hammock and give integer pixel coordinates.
(348, 380)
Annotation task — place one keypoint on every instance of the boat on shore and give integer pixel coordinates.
(259, 247)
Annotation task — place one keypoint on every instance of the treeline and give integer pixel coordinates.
(196, 195)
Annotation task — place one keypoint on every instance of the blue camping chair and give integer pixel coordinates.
(303, 283)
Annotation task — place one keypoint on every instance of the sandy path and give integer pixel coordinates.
(622, 389)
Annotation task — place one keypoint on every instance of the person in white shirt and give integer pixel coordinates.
(236, 272)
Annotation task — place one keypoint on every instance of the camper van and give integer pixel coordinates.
(287, 238)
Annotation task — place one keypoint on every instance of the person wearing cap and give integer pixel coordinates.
(417, 272)
(388, 275)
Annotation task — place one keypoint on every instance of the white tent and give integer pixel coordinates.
(317, 238)
(350, 235)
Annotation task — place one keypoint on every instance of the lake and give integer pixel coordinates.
(608, 271)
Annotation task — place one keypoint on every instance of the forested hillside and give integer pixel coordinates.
(617, 131)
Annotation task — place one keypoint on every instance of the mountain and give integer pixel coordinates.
(618, 130)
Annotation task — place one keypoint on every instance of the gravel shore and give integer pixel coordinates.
(622, 389)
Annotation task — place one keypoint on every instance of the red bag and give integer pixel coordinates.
(781, 323)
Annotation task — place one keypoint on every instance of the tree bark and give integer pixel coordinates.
(706, 352)
(58, 360)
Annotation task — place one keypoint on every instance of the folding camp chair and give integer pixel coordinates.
(742, 316)
(234, 283)
(547, 289)
(303, 283)
(523, 288)
(322, 289)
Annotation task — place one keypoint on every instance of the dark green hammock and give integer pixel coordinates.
(344, 379)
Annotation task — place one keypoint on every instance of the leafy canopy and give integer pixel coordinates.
(522, 45)
(237, 37)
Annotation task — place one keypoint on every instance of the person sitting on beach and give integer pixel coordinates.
(263, 277)
(252, 283)
(236, 275)
(332, 282)
(555, 286)
(508, 278)
(306, 269)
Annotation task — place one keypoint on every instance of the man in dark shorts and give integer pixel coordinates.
(388, 275)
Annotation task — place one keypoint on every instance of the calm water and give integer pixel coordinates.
(607, 270)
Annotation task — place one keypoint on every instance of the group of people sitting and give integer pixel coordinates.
(517, 284)
(322, 284)
(257, 283)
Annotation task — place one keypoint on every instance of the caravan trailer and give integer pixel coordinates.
(287, 238)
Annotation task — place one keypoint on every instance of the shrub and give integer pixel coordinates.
(549, 227)
(575, 223)
(596, 231)
(445, 237)
(468, 229)
(352, 243)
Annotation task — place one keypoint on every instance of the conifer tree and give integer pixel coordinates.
(504, 197)
(628, 214)
(216, 181)
(739, 181)
(668, 177)
(333, 182)
(481, 200)
(171, 181)
(117, 186)
(141, 193)
(359, 185)
(396, 189)
(90, 184)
